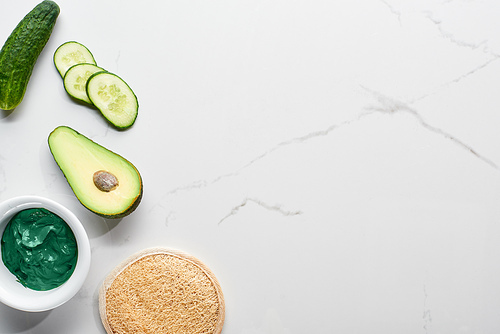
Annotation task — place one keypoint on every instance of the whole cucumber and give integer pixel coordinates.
(21, 50)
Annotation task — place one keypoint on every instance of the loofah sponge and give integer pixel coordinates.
(164, 291)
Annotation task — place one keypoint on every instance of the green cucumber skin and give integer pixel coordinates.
(119, 127)
(21, 50)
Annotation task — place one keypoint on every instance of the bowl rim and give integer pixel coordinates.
(50, 299)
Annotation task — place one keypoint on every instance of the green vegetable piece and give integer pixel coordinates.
(71, 53)
(114, 98)
(21, 50)
(75, 80)
(103, 181)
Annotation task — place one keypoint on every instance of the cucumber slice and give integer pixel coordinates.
(69, 54)
(75, 80)
(114, 98)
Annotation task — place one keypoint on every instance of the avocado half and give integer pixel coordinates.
(103, 181)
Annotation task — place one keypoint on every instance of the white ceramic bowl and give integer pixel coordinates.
(13, 293)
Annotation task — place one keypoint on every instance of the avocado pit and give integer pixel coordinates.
(105, 181)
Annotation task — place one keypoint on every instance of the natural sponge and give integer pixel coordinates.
(160, 290)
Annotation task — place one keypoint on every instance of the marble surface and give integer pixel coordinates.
(335, 163)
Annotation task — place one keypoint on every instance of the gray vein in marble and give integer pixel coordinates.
(427, 313)
(276, 208)
(386, 105)
(293, 141)
(168, 219)
(450, 36)
(390, 105)
(458, 79)
(195, 185)
(297, 140)
(393, 10)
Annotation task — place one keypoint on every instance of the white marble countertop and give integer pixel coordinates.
(335, 163)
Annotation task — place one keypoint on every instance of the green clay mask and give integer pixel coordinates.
(39, 248)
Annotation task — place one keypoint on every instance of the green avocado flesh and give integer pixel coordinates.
(117, 190)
